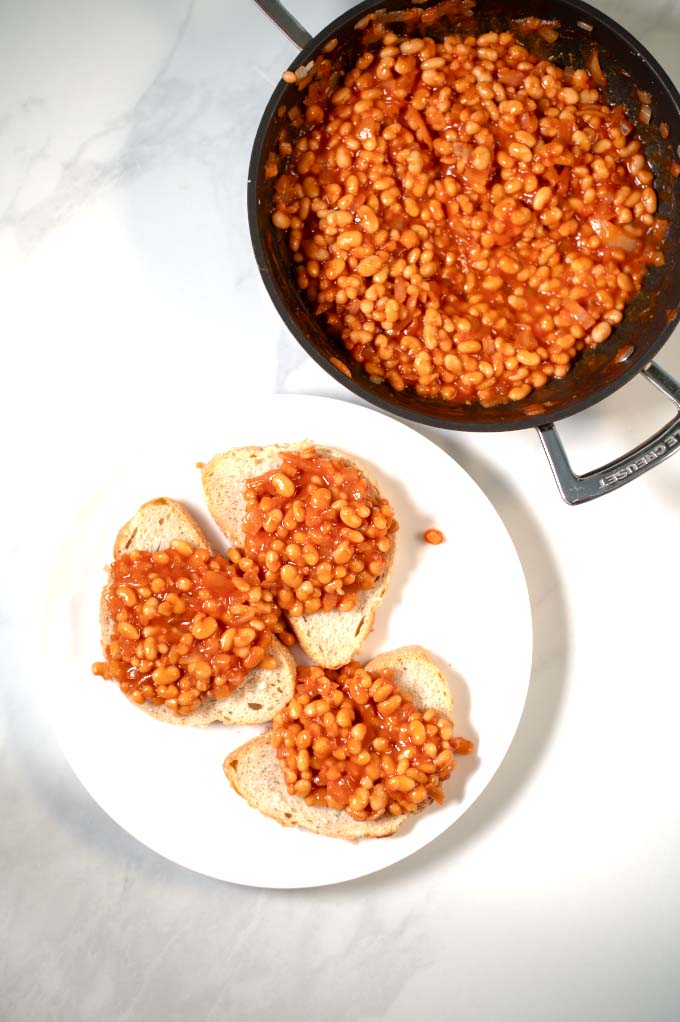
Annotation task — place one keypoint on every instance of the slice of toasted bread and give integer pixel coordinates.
(330, 638)
(264, 692)
(254, 772)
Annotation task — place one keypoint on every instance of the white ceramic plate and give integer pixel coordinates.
(465, 600)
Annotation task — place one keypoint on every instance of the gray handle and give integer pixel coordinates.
(577, 489)
(286, 22)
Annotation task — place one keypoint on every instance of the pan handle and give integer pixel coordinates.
(285, 21)
(576, 489)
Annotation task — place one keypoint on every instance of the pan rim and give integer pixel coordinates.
(637, 363)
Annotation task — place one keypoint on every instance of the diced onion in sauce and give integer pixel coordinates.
(579, 314)
(595, 68)
(613, 236)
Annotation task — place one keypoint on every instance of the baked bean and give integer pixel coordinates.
(343, 156)
(400, 783)
(358, 801)
(388, 706)
(542, 198)
(150, 649)
(417, 732)
(291, 576)
(469, 347)
(324, 573)
(322, 748)
(198, 666)
(358, 732)
(203, 627)
(649, 200)
(181, 547)
(600, 333)
(380, 690)
(349, 240)
(520, 152)
(528, 358)
(127, 631)
(303, 739)
(433, 536)
(127, 595)
(370, 265)
(480, 158)
(334, 268)
(344, 717)
(283, 484)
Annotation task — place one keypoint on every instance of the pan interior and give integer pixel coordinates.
(648, 319)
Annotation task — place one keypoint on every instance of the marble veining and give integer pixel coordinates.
(125, 135)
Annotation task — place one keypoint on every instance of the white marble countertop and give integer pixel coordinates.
(125, 133)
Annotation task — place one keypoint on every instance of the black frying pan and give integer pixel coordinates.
(648, 320)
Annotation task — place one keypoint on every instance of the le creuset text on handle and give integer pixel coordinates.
(576, 489)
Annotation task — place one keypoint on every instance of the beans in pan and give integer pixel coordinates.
(467, 217)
